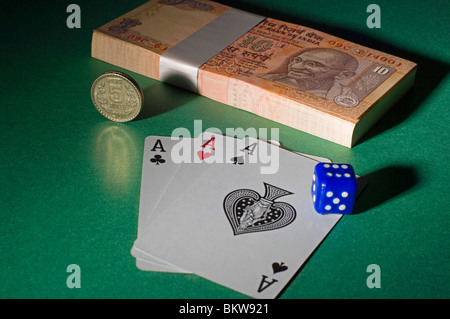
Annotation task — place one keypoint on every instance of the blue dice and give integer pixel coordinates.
(333, 188)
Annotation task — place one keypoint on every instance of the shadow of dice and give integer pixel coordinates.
(333, 188)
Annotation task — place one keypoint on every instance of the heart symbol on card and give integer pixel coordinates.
(248, 212)
(277, 267)
(202, 155)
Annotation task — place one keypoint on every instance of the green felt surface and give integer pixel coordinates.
(70, 178)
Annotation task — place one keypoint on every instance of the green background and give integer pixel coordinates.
(70, 178)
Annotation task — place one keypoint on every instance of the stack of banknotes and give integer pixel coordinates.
(292, 74)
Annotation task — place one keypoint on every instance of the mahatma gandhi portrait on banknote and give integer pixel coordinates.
(322, 72)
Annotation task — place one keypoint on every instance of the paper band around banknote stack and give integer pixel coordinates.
(179, 65)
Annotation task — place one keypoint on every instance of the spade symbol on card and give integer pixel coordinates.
(238, 160)
(248, 212)
(279, 267)
(157, 159)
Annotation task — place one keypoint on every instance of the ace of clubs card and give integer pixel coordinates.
(166, 172)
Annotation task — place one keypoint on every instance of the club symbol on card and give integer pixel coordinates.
(248, 212)
(238, 160)
(157, 159)
(279, 267)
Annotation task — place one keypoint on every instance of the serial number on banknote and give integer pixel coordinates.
(142, 40)
(364, 53)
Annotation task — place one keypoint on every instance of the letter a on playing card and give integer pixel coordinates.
(211, 141)
(203, 153)
(158, 146)
(264, 283)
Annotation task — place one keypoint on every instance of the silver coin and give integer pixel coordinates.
(117, 96)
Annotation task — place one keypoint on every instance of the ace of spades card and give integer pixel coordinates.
(242, 229)
(203, 150)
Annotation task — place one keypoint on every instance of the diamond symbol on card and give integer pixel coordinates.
(248, 212)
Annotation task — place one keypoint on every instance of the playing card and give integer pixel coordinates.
(240, 228)
(195, 154)
(186, 174)
(158, 169)
(198, 154)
